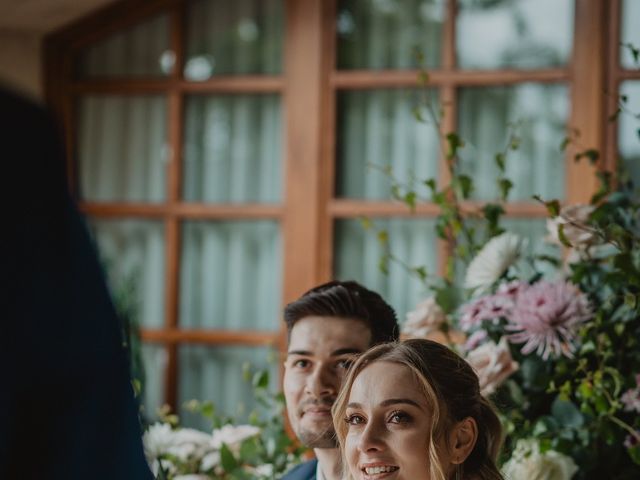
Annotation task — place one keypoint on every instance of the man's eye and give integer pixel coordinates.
(345, 363)
(302, 363)
(354, 419)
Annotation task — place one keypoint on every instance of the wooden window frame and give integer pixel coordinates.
(310, 82)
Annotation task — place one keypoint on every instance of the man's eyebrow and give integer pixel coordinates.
(389, 402)
(304, 353)
(345, 351)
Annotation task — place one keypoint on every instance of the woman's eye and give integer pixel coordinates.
(399, 417)
(354, 419)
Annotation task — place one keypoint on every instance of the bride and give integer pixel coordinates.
(413, 411)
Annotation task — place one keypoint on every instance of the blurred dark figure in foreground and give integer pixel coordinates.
(67, 409)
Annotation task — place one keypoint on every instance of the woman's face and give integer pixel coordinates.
(388, 424)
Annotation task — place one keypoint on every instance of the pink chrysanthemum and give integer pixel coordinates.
(546, 318)
(490, 307)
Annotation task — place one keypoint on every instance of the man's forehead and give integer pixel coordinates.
(324, 336)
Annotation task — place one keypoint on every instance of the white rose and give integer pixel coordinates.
(189, 443)
(210, 460)
(527, 462)
(493, 260)
(232, 435)
(425, 319)
(157, 440)
(574, 219)
(493, 364)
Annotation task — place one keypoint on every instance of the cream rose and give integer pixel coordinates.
(493, 364)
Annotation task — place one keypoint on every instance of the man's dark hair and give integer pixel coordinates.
(346, 300)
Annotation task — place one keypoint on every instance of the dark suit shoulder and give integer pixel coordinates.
(304, 471)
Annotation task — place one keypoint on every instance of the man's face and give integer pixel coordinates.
(321, 350)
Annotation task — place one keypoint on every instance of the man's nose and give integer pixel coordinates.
(322, 382)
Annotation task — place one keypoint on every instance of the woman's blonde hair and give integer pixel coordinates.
(452, 392)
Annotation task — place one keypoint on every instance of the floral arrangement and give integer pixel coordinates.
(556, 345)
(256, 450)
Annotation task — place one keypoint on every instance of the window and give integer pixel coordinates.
(222, 153)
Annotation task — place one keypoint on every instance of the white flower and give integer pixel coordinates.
(232, 435)
(157, 440)
(493, 260)
(189, 443)
(574, 219)
(425, 319)
(527, 462)
(262, 471)
(493, 364)
(192, 476)
(210, 460)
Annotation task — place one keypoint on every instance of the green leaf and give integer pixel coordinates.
(228, 461)
(500, 161)
(565, 143)
(566, 413)
(505, 185)
(634, 453)
(383, 237)
(448, 297)
(417, 114)
(515, 143)
(454, 143)
(383, 264)
(366, 223)
(592, 154)
(410, 200)
(431, 183)
(421, 272)
(261, 379)
(465, 185)
(562, 237)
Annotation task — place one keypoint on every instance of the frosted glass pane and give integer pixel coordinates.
(154, 359)
(628, 126)
(142, 50)
(377, 129)
(215, 374)
(239, 37)
(230, 275)
(358, 253)
(133, 255)
(523, 34)
(629, 21)
(122, 153)
(232, 149)
(537, 167)
(384, 34)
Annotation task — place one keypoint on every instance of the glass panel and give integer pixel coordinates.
(122, 151)
(230, 275)
(628, 139)
(358, 254)
(240, 37)
(384, 34)
(377, 129)
(154, 359)
(522, 34)
(132, 253)
(232, 148)
(537, 167)
(630, 33)
(139, 51)
(215, 374)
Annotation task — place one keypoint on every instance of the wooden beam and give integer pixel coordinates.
(355, 208)
(213, 337)
(201, 211)
(587, 80)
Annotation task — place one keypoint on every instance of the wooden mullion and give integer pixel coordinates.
(213, 337)
(328, 139)
(449, 36)
(355, 208)
(587, 95)
(623, 74)
(224, 84)
(371, 79)
(171, 296)
(613, 85)
(194, 211)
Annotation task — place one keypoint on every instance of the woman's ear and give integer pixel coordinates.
(462, 440)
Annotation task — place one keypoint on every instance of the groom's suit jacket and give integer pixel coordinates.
(305, 471)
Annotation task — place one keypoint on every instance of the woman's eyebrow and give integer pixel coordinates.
(389, 402)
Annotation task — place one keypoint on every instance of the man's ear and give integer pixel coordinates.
(462, 439)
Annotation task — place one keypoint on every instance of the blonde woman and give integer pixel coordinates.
(413, 411)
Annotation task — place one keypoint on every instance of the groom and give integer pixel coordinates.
(328, 327)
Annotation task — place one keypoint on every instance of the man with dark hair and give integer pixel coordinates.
(328, 326)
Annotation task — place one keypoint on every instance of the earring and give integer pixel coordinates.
(458, 474)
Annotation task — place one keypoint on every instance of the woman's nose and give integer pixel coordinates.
(372, 438)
